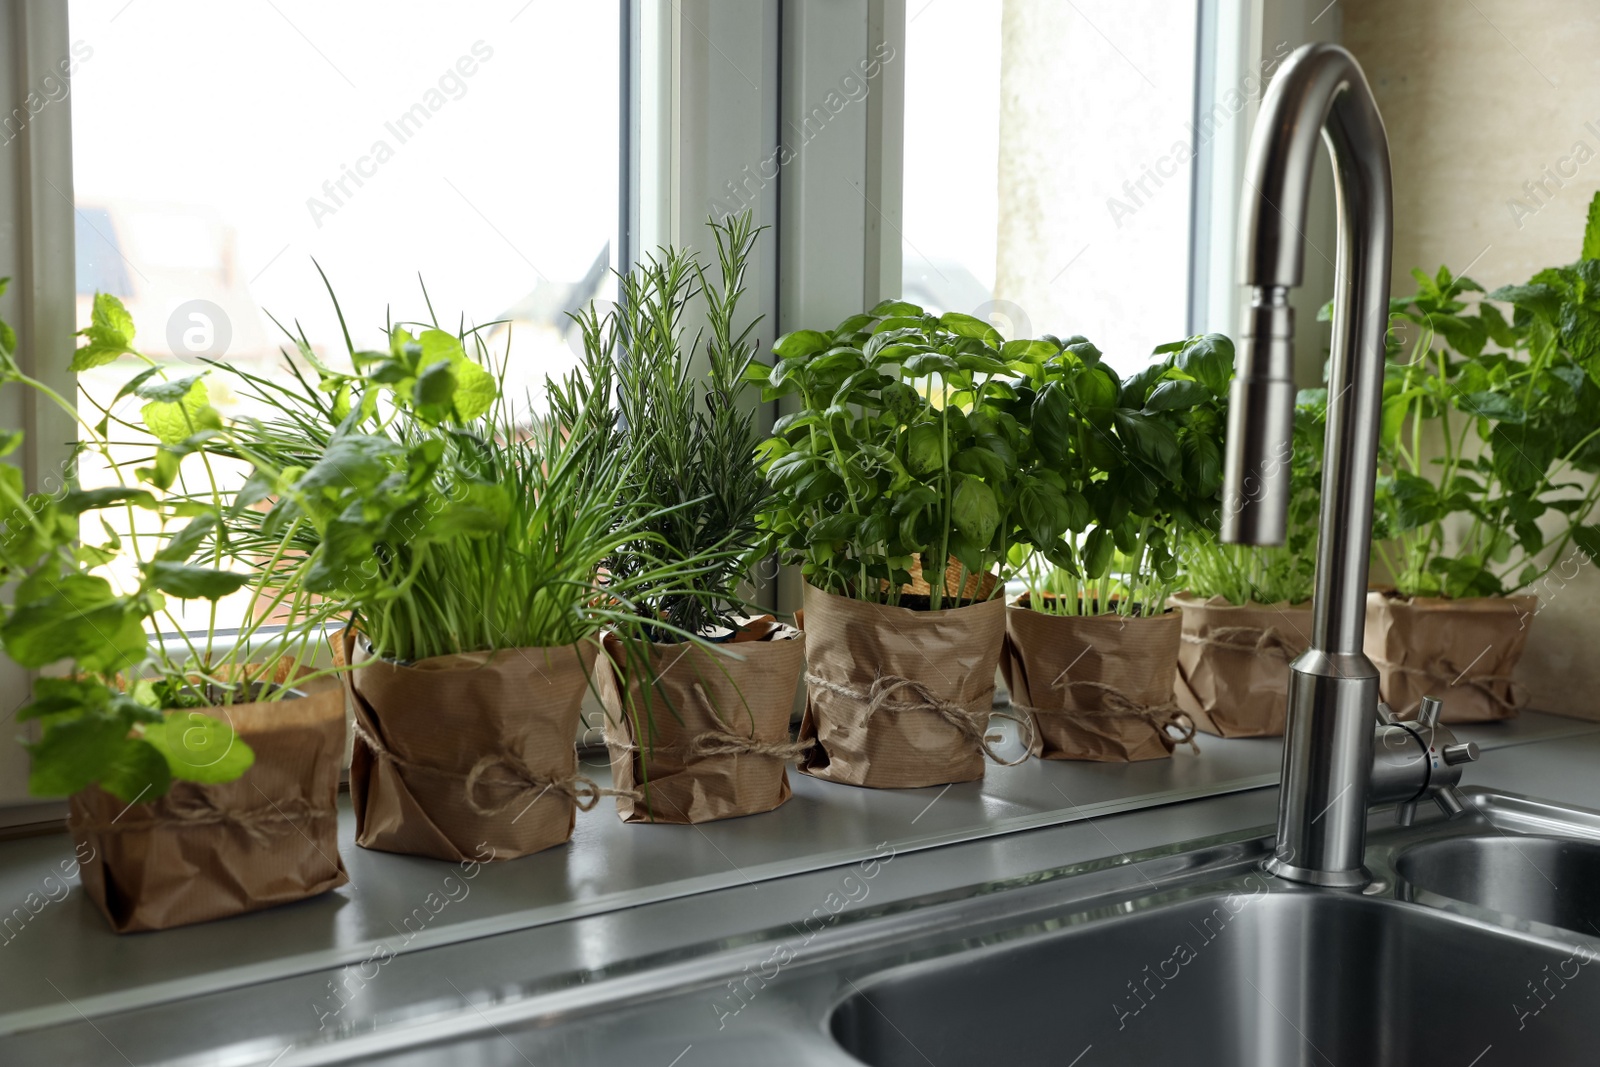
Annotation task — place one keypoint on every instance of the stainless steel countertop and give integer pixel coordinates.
(624, 894)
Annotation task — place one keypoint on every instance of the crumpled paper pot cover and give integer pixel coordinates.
(696, 735)
(470, 756)
(207, 851)
(1098, 687)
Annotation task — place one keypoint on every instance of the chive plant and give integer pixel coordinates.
(1285, 573)
(444, 520)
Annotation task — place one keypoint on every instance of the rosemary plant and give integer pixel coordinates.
(697, 486)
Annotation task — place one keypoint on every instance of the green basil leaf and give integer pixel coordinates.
(799, 344)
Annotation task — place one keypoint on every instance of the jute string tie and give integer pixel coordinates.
(720, 742)
(1445, 673)
(1116, 704)
(501, 773)
(973, 726)
(260, 824)
(1256, 640)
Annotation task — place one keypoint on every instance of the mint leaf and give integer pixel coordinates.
(78, 616)
(187, 581)
(181, 545)
(110, 334)
(172, 415)
(74, 753)
(200, 748)
(139, 772)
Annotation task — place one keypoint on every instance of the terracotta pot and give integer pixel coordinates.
(207, 851)
(704, 736)
(897, 698)
(1097, 687)
(1233, 664)
(1462, 651)
(469, 757)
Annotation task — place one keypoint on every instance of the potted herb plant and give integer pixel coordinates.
(469, 545)
(1489, 447)
(1117, 475)
(902, 458)
(1246, 610)
(698, 694)
(201, 784)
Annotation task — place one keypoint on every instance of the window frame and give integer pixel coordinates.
(713, 92)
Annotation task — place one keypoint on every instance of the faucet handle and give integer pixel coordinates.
(1428, 711)
(1386, 714)
(1450, 801)
(1405, 813)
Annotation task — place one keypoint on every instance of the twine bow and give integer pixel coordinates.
(972, 726)
(259, 824)
(1442, 670)
(1256, 640)
(501, 773)
(1116, 704)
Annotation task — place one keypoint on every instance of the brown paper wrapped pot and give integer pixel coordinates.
(1098, 687)
(1462, 651)
(716, 728)
(925, 660)
(207, 851)
(1233, 664)
(471, 755)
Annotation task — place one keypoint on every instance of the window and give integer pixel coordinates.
(1048, 150)
(218, 149)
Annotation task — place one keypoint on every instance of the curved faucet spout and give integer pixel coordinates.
(1320, 89)
(1333, 688)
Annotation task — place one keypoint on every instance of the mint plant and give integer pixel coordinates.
(131, 714)
(1490, 425)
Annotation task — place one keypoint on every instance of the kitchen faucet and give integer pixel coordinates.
(1343, 748)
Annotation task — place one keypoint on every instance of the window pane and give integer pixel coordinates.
(1047, 174)
(220, 148)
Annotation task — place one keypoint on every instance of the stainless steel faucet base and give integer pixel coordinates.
(1311, 876)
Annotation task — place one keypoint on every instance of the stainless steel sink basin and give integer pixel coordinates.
(1253, 977)
(1550, 880)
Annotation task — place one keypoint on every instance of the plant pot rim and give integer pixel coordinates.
(1394, 596)
(1025, 603)
(1218, 602)
(930, 613)
(363, 642)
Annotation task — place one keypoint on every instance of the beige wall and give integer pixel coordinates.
(1480, 99)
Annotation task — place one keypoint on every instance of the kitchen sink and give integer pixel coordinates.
(1550, 880)
(1254, 977)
